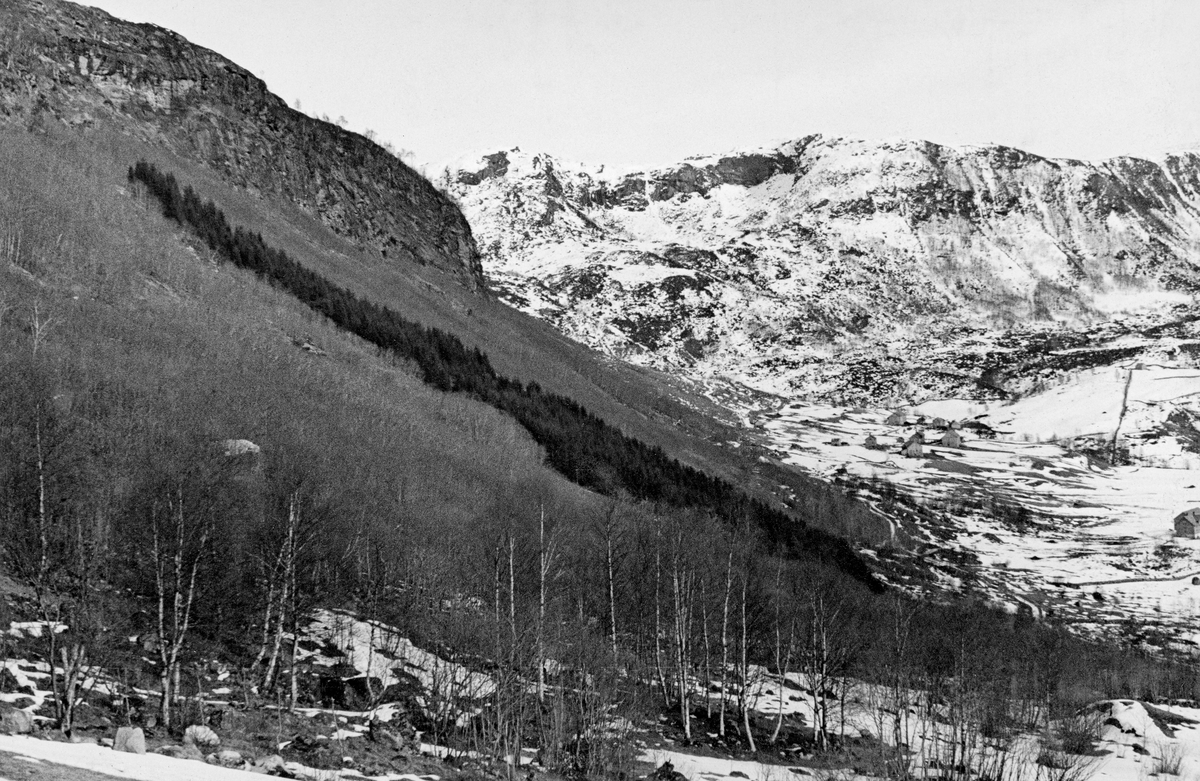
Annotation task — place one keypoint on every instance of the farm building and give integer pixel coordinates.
(939, 423)
(871, 442)
(1187, 523)
(897, 418)
(913, 446)
(951, 438)
(981, 429)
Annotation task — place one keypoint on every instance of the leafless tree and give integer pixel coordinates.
(180, 541)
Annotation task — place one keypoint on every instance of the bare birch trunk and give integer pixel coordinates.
(725, 641)
(612, 592)
(662, 677)
(682, 656)
(287, 595)
(787, 661)
(42, 585)
(183, 596)
(707, 649)
(74, 672)
(268, 612)
(544, 561)
(746, 672)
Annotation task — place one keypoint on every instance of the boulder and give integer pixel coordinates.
(130, 739)
(14, 721)
(228, 758)
(182, 752)
(201, 737)
(270, 764)
(240, 447)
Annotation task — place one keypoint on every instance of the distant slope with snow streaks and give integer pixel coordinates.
(803, 268)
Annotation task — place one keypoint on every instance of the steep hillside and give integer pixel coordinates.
(142, 92)
(832, 267)
(79, 65)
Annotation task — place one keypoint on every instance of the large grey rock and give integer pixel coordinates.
(14, 721)
(228, 758)
(201, 737)
(130, 739)
(270, 764)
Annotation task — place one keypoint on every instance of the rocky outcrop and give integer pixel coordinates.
(800, 267)
(83, 67)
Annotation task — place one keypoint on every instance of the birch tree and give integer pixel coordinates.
(280, 606)
(547, 554)
(181, 533)
(682, 587)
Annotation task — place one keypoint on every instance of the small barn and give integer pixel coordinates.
(897, 418)
(951, 438)
(914, 446)
(1187, 523)
(939, 423)
(871, 442)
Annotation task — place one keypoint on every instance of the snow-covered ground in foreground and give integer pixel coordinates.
(1033, 518)
(155, 767)
(142, 767)
(1134, 742)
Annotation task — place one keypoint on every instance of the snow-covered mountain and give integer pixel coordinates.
(1044, 308)
(834, 268)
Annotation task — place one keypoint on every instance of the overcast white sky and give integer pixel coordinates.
(649, 82)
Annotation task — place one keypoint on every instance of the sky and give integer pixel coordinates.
(649, 82)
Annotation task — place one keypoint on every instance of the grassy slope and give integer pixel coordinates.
(646, 404)
(167, 338)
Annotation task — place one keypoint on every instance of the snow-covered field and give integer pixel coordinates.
(1033, 515)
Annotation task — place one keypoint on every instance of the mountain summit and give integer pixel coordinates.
(773, 265)
(83, 67)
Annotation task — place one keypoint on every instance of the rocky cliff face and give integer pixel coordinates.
(81, 66)
(797, 267)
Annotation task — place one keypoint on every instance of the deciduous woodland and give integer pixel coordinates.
(397, 475)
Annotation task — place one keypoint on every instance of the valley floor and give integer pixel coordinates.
(1016, 501)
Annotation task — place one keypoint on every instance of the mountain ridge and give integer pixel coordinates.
(83, 67)
(824, 245)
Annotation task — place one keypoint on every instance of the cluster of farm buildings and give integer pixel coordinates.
(914, 445)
